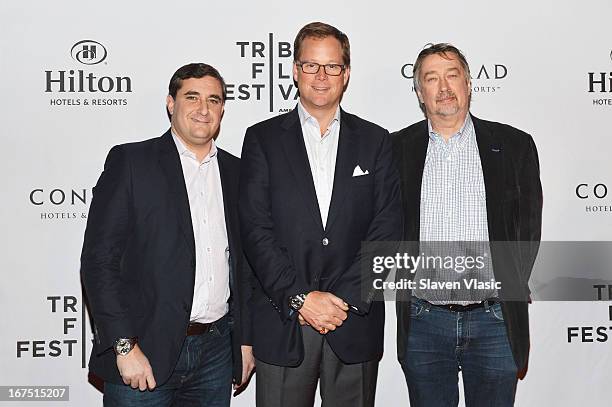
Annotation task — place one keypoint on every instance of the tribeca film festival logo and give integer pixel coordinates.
(80, 86)
(594, 334)
(486, 78)
(270, 74)
(64, 343)
(601, 82)
(596, 197)
(57, 204)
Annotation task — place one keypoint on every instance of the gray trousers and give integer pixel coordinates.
(342, 385)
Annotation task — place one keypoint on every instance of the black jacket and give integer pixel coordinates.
(290, 251)
(514, 212)
(138, 258)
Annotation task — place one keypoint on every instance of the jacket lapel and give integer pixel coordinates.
(292, 140)
(228, 187)
(346, 160)
(490, 148)
(171, 165)
(413, 165)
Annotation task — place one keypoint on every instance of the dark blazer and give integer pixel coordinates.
(290, 251)
(514, 212)
(138, 259)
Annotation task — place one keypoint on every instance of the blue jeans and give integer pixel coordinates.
(441, 343)
(202, 377)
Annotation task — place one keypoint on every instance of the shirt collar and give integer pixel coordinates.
(306, 117)
(458, 136)
(183, 150)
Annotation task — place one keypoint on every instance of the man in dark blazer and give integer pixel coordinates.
(315, 184)
(162, 261)
(466, 179)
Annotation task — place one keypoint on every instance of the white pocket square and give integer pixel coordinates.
(358, 172)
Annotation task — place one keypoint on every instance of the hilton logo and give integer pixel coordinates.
(88, 52)
(270, 74)
(601, 82)
(78, 82)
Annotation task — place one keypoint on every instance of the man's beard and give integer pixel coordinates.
(447, 109)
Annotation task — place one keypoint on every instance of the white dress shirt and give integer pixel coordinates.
(322, 150)
(203, 181)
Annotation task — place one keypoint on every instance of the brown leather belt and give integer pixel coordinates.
(197, 328)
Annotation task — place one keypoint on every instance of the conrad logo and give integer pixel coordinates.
(486, 78)
(60, 204)
(595, 195)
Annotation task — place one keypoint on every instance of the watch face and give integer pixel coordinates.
(297, 302)
(123, 346)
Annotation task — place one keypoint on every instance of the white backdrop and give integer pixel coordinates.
(530, 61)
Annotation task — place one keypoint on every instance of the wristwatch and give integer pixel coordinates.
(296, 301)
(123, 346)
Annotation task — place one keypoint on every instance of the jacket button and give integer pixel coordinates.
(325, 241)
(193, 263)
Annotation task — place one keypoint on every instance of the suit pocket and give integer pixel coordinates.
(362, 180)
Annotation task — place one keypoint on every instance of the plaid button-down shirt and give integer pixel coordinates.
(454, 210)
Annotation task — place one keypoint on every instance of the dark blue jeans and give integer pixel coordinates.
(202, 377)
(441, 343)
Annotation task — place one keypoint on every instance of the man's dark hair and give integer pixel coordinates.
(194, 70)
(322, 30)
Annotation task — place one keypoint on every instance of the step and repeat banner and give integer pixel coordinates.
(78, 78)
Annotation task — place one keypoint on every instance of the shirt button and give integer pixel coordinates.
(208, 249)
(325, 241)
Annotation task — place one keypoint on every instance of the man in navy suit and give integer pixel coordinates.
(162, 262)
(316, 183)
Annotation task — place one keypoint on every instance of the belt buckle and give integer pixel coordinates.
(456, 307)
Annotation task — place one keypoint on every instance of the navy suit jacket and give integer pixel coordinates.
(138, 258)
(289, 249)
